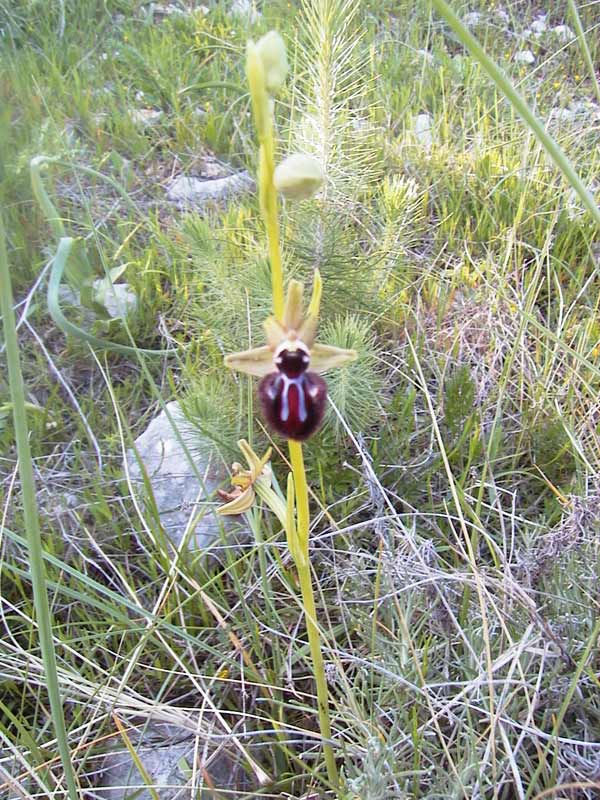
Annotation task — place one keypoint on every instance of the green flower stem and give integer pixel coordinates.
(519, 104)
(32, 526)
(262, 106)
(263, 118)
(308, 600)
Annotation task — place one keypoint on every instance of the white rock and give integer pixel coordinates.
(118, 299)
(574, 206)
(564, 33)
(197, 192)
(579, 112)
(168, 763)
(161, 10)
(472, 19)
(427, 57)
(68, 296)
(245, 8)
(178, 494)
(561, 114)
(423, 130)
(524, 57)
(145, 116)
(539, 26)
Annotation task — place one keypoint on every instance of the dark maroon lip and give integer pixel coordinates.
(293, 404)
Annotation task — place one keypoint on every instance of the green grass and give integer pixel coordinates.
(455, 482)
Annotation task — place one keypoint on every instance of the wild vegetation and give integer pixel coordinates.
(455, 499)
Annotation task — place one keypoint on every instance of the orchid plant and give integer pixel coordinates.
(292, 392)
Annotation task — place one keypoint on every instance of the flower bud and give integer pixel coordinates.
(270, 49)
(298, 177)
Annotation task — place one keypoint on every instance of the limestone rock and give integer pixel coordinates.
(145, 117)
(245, 8)
(423, 130)
(168, 765)
(178, 494)
(196, 192)
(524, 57)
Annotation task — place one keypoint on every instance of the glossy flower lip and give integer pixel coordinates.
(295, 328)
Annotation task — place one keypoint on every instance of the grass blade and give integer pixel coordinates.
(38, 577)
(584, 46)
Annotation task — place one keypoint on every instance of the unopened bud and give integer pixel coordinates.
(270, 49)
(298, 177)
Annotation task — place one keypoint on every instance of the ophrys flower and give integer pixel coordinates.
(292, 393)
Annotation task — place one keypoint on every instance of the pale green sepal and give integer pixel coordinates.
(308, 330)
(315, 299)
(276, 333)
(257, 362)
(324, 357)
(293, 312)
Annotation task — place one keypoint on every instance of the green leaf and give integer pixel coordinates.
(116, 272)
(62, 257)
(78, 270)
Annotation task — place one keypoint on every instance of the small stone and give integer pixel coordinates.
(563, 33)
(524, 57)
(160, 11)
(168, 764)
(539, 26)
(472, 19)
(574, 206)
(211, 168)
(582, 113)
(561, 114)
(423, 130)
(68, 296)
(145, 116)
(245, 8)
(117, 298)
(427, 57)
(178, 493)
(196, 192)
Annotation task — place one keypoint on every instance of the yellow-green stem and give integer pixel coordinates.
(268, 204)
(308, 600)
(267, 196)
(263, 116)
